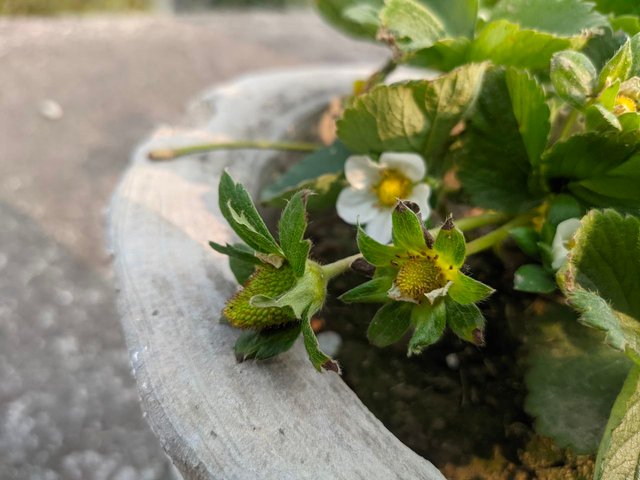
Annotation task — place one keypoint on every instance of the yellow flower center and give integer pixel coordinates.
(393, 185)
(624, 104)
(418, 276)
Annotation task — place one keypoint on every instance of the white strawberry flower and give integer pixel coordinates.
(375, 187)
(563, 241)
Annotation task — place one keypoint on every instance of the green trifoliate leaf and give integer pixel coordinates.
(630, 24)
(447, 100)
(429, 321)
(574, 77)
(367, 127)
(238, 209)
(599, 170)
(572, 379)
(424, 112)
(318, 358)
(527, 239)
(444, 55)
(618, 7)
(376, 253)
(494, 164)
(373, 291)
(266, 343)
(450, 244)
(292, 225)
(619, 452)
(389, 324)
(466, 321)
(506, 43)
(458, 16)
(408, 229)
(355, 17)
(618, 68)
(561, 17)
(466, 290)
(561, 208)
(531, 112)
(412, 25)
(320, 172)
(601, 278)
(533, 278)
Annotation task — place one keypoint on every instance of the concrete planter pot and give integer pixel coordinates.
(215, 418)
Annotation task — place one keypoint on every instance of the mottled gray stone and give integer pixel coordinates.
(68, 405)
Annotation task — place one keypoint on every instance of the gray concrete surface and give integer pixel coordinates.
(68, 405)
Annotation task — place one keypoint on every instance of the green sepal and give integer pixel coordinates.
(266, 343)
(292, 225)
(618, 68)
(373, 291)
(608, 95)
(599, 119)
(240, 212)
(407, 229)
(450, 244)
(466, 321)
(466, 290)
(374, 252)
(573, 76)
(429, 321)
(389, 324)
(317, 357)
(238, 250)
(241, 270)
(533, 278)
(307, 293)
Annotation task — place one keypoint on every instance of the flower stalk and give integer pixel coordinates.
(163, 154)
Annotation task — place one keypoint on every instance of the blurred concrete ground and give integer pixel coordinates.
(68, 405)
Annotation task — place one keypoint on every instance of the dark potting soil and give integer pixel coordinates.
(459, 405)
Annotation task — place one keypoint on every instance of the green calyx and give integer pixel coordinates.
(419, 280)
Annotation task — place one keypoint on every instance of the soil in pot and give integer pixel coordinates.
(458, 405)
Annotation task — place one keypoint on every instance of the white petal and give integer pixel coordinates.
(379, 227)
(411, 165)
(564, 233)
(420, 195)
(394, 293)
(355, 206)
(361, 171)
(438, 292)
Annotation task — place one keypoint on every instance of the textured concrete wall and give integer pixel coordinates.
(75, 97)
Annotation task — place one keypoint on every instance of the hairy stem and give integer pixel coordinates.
(568, 125)
(171, 153)
(498, 235)
(380, 75)
(338, 267)
(476, 221)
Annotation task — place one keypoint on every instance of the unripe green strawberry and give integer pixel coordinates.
(266, 280)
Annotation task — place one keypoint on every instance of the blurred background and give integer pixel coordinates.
(81, 83)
